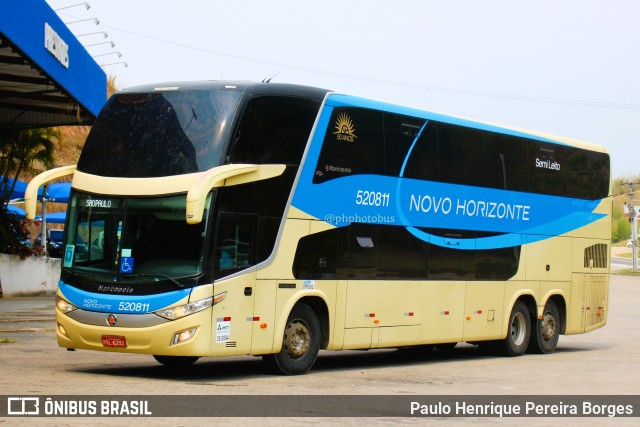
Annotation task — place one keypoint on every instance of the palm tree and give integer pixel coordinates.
(21, 151)
(25, 151)
(7, 139)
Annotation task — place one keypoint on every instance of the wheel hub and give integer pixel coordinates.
(297, 339)
(548, 327)
(518, 329)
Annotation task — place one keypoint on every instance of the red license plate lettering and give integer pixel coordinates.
(114, 341)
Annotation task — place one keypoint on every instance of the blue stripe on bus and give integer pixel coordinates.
(412, 203)
(131, 304)
(415, 203)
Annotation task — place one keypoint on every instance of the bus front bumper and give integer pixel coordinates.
(187, 336)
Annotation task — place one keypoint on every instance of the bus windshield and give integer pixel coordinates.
(144, 135)
(129, 239)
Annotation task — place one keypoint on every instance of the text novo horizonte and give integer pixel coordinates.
(470, 208)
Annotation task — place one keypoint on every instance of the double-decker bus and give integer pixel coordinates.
(236, 218)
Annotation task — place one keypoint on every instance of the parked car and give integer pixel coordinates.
(55, 243)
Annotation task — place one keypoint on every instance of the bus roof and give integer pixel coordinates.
(251, 88)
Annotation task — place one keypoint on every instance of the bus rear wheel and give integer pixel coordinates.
(517, 340)
(176, 361)
(547, 331)
(300, 343)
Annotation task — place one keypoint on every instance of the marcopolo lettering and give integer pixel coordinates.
(115, 289)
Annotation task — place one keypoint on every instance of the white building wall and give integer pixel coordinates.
(29, 275)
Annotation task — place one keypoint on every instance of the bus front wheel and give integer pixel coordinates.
(517, 340)
(300, 343)
(547, 330)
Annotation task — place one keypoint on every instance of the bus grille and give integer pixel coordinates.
(596, 256)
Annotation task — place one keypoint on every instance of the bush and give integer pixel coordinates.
(14, 235)
(621, 229)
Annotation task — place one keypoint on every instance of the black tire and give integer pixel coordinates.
(544, 338)
(517, 340)
(300, 343)
(176, 361)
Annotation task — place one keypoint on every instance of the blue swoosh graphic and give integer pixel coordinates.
(415, 204)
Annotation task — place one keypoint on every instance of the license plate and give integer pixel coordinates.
(114, 341)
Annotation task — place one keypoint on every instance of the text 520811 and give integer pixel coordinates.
(372, 198)
(133, 306)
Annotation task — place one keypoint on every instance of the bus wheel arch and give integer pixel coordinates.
(561, 304)
(301, 340)
(319, 307)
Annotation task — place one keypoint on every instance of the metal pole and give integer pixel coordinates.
(634, 224)
(634, 237)
(43, 230)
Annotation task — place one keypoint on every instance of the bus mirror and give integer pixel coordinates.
(31, 193)
(224, 176)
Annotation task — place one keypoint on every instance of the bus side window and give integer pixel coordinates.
(400, 133)
(235, 243)
(422, 161)
(322, 256)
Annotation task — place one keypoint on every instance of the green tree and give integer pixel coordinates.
(617, 187)
(28, 152)
(621, 229)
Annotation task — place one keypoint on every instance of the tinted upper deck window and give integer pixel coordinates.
(141, 135)
(353, 145)
(274, 129)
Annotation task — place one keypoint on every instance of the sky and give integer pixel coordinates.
(569, 68)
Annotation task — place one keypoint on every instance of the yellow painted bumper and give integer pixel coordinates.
(149, 340)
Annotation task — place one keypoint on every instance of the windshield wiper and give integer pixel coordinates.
(164, 276)
(173, 281)
(77, 272)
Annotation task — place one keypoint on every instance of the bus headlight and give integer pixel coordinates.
(174, 313)
(64, 305)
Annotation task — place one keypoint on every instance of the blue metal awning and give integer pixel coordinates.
(18, 188)
(16, 211)
(54, 217)
(58, 193)
(47, 78)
